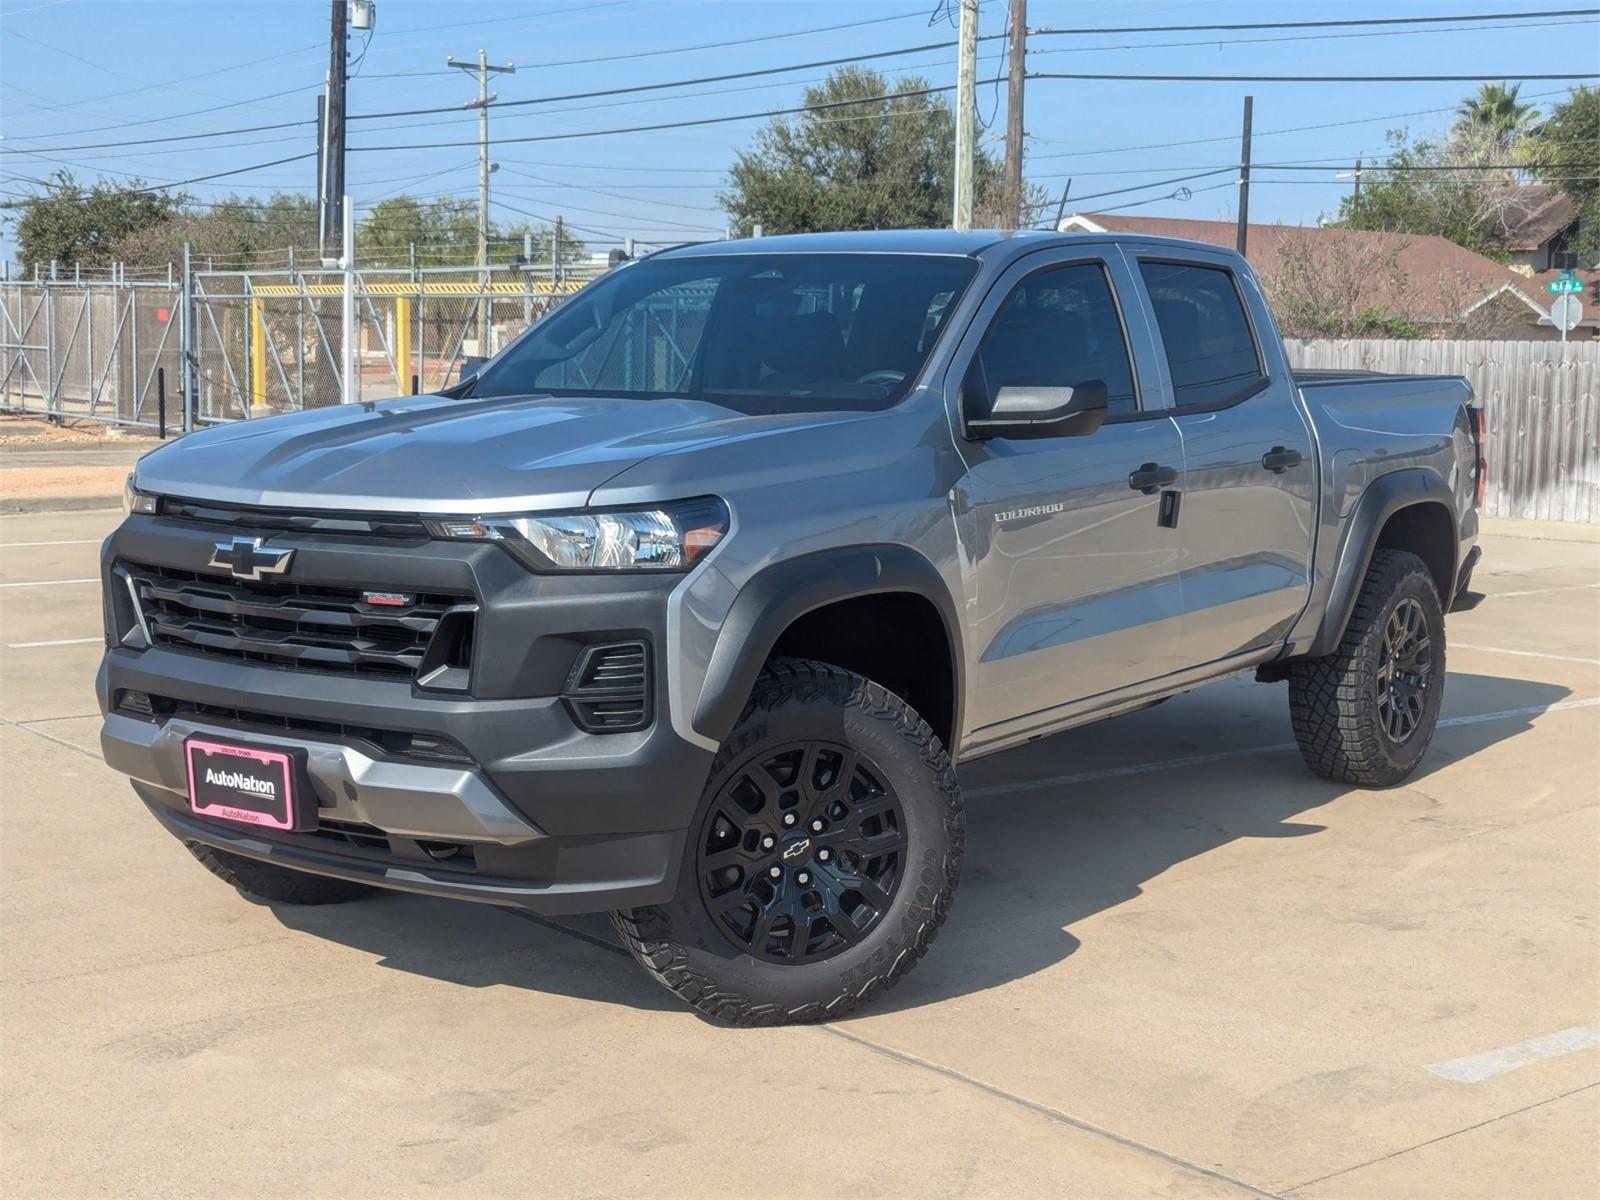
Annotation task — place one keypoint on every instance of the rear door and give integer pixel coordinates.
(1072, 583)
(1248, 505)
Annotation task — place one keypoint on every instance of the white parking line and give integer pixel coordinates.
(67, 542)
(1475, 1068)
(1571, 658)
(51, 582)
(57, 642)
(1576, 587)
(1203, 760)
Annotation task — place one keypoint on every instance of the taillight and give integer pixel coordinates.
(1480, 437)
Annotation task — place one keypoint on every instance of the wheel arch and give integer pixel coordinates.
(1411, 510)
(874, 609)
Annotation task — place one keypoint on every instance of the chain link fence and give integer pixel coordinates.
(103, 350)
(255, 343)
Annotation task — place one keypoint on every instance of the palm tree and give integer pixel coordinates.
(1496, 111)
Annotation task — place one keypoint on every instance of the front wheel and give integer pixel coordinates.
(1366, 713)
(822, 861)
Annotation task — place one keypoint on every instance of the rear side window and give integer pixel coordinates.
(1059, 327)
(1211, 352)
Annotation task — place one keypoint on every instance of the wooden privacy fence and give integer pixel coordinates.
(1541, 399)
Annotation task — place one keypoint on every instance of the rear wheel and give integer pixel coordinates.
(1365, 714)
(823, 859)
(275, 885)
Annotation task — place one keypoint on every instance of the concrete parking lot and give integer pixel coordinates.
(1179, 965)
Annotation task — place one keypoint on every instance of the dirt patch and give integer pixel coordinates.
(34, 431)
(31, 483)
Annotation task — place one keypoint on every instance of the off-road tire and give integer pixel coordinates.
(1333, 701)
(275, 885)
(691, 955)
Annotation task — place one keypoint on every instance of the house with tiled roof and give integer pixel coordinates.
(1427, 280)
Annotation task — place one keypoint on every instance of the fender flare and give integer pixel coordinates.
(780, 594)
(1383, 497)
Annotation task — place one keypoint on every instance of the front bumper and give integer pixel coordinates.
(522, 806)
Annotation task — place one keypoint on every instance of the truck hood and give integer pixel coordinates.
(431, 454)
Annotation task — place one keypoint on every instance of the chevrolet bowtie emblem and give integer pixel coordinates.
(247, 560)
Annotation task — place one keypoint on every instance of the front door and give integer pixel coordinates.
(1072, 583)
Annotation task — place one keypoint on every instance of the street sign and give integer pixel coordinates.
(1565, 284)
(1566, 312)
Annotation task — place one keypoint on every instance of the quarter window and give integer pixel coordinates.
(1211, 352)
(1059, 327)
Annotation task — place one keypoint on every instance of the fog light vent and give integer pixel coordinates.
(608, 690)
(135, 702)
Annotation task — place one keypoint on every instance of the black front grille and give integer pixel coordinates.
(386, 526)
(609, 688)
(285, 624)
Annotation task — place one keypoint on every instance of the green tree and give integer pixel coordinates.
(70, 224)
(1566, 152)
(1423, 188)
(1496, 111)
(234, 233)
(444, 232)
(870, 155)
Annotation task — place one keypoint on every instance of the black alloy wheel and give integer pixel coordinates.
(822, 859)
(1405, 671)
(800, 854)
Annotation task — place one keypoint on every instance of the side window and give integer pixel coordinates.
(1058, 328)
(1210, 349)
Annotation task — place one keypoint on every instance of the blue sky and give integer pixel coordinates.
(71, 68)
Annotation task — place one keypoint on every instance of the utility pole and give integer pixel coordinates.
(482, 67)
(1244, 176)
(1358, 179)
(966, 115)
(1016, 56)
(330, 223)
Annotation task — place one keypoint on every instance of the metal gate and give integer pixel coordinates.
(103, 350)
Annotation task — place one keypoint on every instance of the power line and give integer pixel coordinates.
(456, 109)
(747, 41)
(1474, 78)
(1421, 112)
(1344, 23)
(198, 112)
(755, 116)
(1308, 37)
(655, 87)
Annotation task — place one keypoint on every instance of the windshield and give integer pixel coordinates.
(759, 333)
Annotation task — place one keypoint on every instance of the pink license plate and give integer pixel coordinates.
(248, 784)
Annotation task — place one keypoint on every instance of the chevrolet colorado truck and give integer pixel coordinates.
(687, 604)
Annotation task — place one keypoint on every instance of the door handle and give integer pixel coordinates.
(1280, 458)
(1151, 477)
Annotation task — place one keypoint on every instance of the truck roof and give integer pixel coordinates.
(907, 241)
(866, 241)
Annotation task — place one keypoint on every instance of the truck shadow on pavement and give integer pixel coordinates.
(1042, 855)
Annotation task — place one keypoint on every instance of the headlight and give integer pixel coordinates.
(135, 501)
(670, 537)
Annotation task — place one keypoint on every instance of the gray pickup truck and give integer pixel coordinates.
(686, 605)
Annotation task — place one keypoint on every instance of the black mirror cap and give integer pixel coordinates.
(1082, 411)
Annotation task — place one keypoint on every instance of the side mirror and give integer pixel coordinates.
(470, 366)
(1034, 412)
